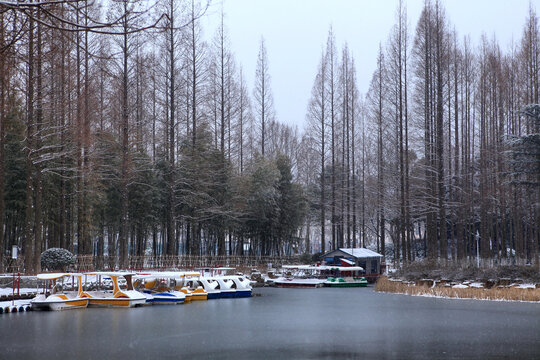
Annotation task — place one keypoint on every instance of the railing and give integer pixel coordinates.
(13, 265)
(90, 263)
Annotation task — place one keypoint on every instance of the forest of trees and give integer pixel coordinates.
(124, 131)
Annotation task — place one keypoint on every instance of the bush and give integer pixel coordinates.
(57, 259)
(305, 258)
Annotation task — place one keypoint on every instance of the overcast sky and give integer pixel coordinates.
(295, 32)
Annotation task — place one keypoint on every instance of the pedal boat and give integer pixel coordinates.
(52, 298)
(240, 284)
(117, 297)
(199, 286)
(346, 276)
(346, 282)
(187, 292)
(225, 286)
(159, 287)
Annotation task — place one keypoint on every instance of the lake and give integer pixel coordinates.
(326, 323)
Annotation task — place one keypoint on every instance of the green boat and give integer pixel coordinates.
(346, 282)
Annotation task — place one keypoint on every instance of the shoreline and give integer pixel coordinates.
(459, 298)
(513, 294)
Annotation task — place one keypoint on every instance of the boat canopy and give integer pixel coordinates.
(166, 274)
(114, 277)
(110, 273)
(54, 276)
(191, 273)
(346, 268)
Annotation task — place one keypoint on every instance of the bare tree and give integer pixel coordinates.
(262, 95)
(332, 99)
(317, 118)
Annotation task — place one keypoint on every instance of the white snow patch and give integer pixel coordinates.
(526, 286)
(457, 298)
(460, 286)
(476, 285)
(22, 291)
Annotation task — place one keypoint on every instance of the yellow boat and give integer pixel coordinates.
(116, 297)
(54, 295)
(191, 283)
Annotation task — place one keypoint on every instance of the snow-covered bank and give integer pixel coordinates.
(19, 305)
(465, 290)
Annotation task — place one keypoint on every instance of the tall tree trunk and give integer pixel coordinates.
(194, 77)
(28, 236)
(37, 141)
(124, 225)
(380, 157)
(440, 138)
(172, 125)
(4, 85)
(333, 145)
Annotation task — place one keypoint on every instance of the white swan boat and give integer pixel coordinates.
(231, 286)
(54, 295)
(201, 288)
(224, 286)
(240, 284)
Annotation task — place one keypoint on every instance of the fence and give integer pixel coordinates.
(90, 263)
(12, 265)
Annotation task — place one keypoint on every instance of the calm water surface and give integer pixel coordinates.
(282, 323)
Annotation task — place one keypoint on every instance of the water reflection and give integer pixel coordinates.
(292, 323)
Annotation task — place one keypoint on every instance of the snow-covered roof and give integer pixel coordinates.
(345, 261)
(360, 252)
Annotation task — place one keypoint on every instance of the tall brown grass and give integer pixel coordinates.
(497, 293)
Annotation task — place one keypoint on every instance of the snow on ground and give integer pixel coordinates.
(457, 298)
(526, 286)
(9, 291)
(476, 285)
(17, 303)
(460, 286)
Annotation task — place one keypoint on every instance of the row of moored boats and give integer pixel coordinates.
(61, 291)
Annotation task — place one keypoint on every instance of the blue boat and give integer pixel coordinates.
(159, 288)
(231, 286)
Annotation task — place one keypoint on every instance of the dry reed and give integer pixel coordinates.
(496, 293)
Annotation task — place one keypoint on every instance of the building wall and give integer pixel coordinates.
(369, 264)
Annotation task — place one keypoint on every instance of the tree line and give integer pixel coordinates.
(440, 159)
(125, 132)
(446, 146)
